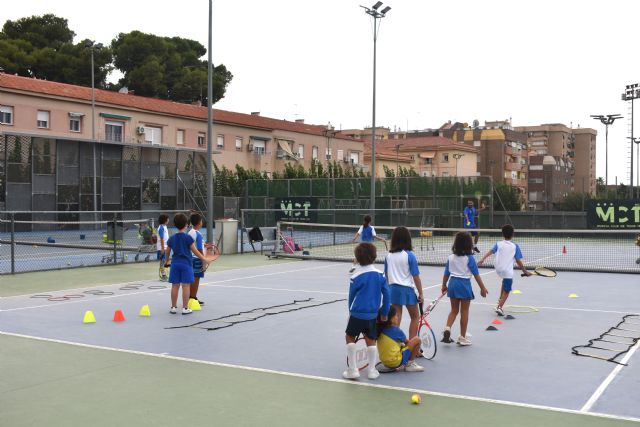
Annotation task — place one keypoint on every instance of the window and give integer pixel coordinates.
(428, 161)
(113, 131)
(445, 174)
(476, 143)
(301, 151)
(6, 115)
(355, 158)
(238, 143)
(535, 167)
(445, 158)
(180, 137)
(75, 122)
(153, 135)
(340, 155)
(43, 120)
(314, 153)
(259, 147)
(220, 140)
(201, 139)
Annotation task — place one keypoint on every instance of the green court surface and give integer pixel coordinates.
(55, 280)
(56, 384)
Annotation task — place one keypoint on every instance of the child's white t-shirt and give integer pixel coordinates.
(506, 251)
(401, 267)
(163, 232)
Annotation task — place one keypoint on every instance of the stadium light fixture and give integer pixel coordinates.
(631, 93)
(376, 15)
(606, 120)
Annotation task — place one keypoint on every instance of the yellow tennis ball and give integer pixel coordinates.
(416, 399)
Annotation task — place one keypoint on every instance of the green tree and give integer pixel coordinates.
(506, 198)
(166, 67)
(574, 202)
(42, 47)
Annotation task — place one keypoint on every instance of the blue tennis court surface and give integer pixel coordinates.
(291, 318)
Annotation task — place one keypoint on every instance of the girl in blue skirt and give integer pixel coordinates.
(456, 281)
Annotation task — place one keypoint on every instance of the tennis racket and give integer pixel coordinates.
(212, 252)
(362, 359)
(427, 336)
(163, 272)
(543, 271)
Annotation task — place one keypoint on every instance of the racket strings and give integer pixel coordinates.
(625, 341)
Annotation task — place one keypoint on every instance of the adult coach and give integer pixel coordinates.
(470, 214)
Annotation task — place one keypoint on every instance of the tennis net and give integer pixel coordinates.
(27, 245)
(568, 250)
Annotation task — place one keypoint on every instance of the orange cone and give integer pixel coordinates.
(497, 322)
(564, 250)
(118, 316)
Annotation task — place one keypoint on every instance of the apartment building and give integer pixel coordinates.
(577, 148)
(429, 156)
(502, 151)
(549, 181)
(150, 153)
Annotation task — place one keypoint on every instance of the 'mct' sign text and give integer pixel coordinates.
(296, 209)
(613, 214)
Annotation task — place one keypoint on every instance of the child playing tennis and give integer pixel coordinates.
(403, 276)
(456, 281)
(506, 252)
(163, 236)
(394, 349)
(367, 289)
(196, 225)
(367, 234)
(181, 273)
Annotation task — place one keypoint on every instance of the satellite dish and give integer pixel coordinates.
(476, 123)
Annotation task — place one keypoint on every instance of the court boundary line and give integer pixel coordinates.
(158, 290)
(586, 408)
(325, 379)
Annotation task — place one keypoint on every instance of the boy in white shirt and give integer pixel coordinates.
(506, 252)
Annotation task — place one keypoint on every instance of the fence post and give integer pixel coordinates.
(13, 243)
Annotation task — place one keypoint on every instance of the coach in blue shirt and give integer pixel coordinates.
(470, 213)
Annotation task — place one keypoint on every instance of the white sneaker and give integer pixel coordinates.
(463, 341)
(499, 311)
(186, 311)
(373, 374)
(173, 310)
(351, 374)
(412, 366)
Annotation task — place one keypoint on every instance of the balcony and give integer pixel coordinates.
(512, 166)
(512, 151)
(516, 182)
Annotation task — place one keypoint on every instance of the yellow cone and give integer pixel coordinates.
(144, 311)
(89, 317)
(194, 305)
(516, 292)
(573, 296)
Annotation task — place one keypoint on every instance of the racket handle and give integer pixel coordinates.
(523, 275)
(421, 309)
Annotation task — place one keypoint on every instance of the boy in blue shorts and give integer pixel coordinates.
(181, 274)
(196, 225)
(506, 252)
(367, 289)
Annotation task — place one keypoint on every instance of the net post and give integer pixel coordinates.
(115, 247)
(277, 236)
(241, 231)
(13, 243)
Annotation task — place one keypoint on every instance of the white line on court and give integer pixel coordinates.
(79, 300)
(326, 379)
(601, 389)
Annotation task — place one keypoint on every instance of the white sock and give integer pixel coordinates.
(351, 356)
(372, 355)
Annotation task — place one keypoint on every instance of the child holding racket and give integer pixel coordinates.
(460, 267)
(506, 252)
(367, 234)
(196, 225)
(367, 290)
(181, 273)
(394, 348)
(403, 275)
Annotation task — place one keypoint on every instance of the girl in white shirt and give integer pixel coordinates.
(461, 265)
(403, 276)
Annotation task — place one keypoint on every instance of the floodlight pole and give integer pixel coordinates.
(631, 92)
(209, 131)
(376, 15)
(606, 121)
(93, 133)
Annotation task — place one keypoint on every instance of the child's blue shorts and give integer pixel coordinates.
(180, 274)
(507, 284)
(402, 295)
(460, 288)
